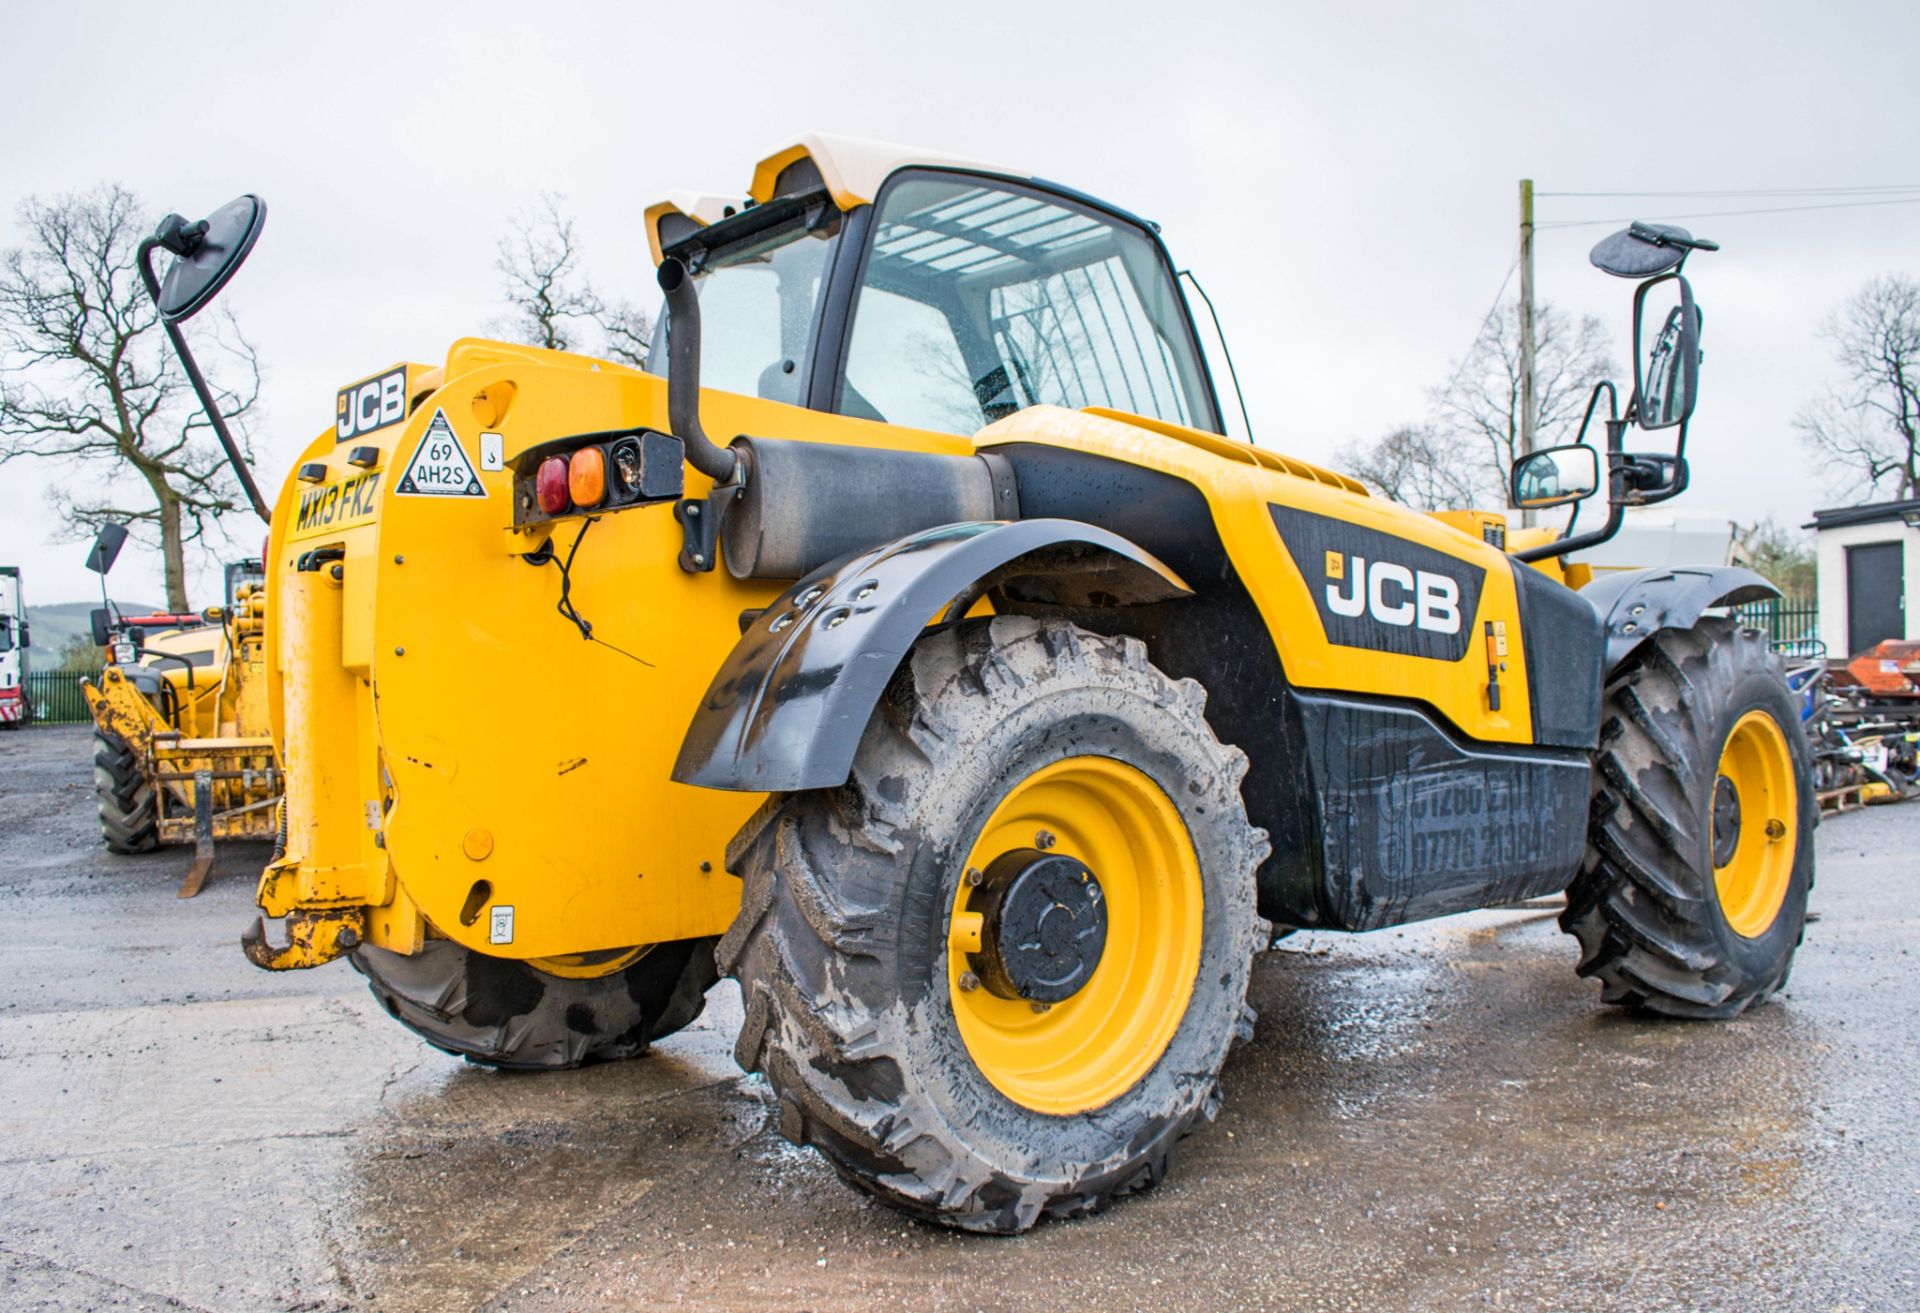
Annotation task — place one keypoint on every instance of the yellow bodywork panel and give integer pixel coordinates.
(1240, 493)
(467, 749)
(463, 761)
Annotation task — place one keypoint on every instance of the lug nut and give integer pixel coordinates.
(974, 877)
(1776, 830)
(1044, 840)
(1041, 1008)
(969, 982)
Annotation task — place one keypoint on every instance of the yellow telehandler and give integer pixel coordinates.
(973, 701)
(180, 747)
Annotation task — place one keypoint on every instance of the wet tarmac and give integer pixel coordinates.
(1438, 1118)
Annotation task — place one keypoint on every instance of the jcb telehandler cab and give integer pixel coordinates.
(969, 697)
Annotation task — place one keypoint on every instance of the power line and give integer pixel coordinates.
(1754, 191)
(1485, 319)
(1720, 214)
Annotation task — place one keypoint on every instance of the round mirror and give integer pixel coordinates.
(1639, 251)
(1555, 477)
(197, 277)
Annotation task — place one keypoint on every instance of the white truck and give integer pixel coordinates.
(13, 650)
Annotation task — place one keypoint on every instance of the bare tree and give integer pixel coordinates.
(1479, 404)
(88, 384)
(1419, 465)
(1460, 456)
(627, 333)
(1782, 554)
(1868, 425)
(550, 300)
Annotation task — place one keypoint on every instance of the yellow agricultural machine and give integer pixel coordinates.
(974, 702)
(181, 753)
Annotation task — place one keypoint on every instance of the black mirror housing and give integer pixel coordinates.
(107, 542)
(1667, 379)
(1554, 476)
(206, 254)
(101, 625)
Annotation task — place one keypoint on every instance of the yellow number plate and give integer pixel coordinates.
(332, 507)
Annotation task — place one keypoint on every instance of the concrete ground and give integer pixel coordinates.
(1437, 1118)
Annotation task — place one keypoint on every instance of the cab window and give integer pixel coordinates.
(980, 299)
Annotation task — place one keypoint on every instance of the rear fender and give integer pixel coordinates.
(1638, 603)
(789, 706)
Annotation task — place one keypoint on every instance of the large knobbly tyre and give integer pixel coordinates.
(129, 820)
(995, 975)
(1693, 895)
(500, 1012)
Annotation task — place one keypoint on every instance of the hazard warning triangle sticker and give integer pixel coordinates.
(439, 467)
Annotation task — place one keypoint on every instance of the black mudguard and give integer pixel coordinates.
(789, 706)
(1638, 603)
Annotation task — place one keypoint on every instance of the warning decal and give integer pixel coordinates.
(439, 467)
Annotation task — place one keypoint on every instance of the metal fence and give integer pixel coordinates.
(1793, 624)
(53, 696)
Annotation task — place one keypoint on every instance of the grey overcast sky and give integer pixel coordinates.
(1341, 176)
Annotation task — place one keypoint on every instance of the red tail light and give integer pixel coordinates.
(550, 486)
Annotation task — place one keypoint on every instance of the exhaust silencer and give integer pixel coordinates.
(683, 374)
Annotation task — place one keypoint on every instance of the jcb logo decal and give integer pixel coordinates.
(337, 506)
(1376, 591)
(1395, 595)
(373, 404)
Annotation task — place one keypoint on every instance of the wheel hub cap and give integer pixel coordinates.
(1044, 926)
(1726, 821)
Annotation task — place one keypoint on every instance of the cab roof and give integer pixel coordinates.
(851, 168)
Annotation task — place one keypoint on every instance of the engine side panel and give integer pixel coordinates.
(1289, 598)
(1419, 825)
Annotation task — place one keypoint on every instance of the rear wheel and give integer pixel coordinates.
(129, 813)
(543, 1014)
(1693, 896)
(995, 976)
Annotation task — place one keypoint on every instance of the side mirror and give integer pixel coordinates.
(206, 254)
(1666, 345)
(26, 635)
(107, 542)
(102, 626)
(1554, 477)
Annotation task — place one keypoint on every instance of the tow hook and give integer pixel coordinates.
(313, 938)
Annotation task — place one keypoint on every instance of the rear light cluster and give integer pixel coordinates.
(602, 471)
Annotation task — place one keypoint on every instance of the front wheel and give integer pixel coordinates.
(1693, 896)
(995, 976)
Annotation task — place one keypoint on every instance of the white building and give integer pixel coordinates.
(1869, 564)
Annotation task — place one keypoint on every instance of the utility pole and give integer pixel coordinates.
(1528, 412)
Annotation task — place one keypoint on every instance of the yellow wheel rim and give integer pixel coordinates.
(1090, 1049)
(1756, 824)
(590, 966)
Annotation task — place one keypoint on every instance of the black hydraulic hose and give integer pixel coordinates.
(683, 375)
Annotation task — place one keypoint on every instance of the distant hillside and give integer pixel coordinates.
(57, 625)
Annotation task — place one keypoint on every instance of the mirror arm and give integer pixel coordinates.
(200, 389)
(1616, 500)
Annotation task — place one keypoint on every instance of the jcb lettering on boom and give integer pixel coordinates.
(363, 407)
